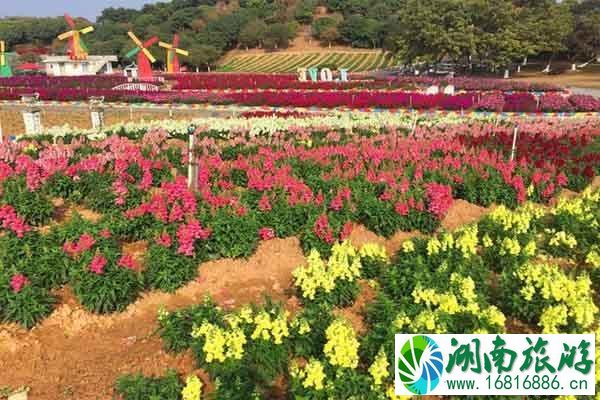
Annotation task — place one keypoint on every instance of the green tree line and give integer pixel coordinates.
(495, 33)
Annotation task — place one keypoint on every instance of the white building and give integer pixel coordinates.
(65, 66)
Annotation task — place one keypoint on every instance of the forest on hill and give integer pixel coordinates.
(491, 32)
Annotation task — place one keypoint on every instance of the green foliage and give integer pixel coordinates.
(113, 289)
(168, 271)
(232, 235)
(139, 387)
(33, 206)
(27, 307)
(175, 327)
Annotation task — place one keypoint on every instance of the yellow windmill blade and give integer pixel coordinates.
(87, 30)
(66, 35)
(135, 39)
(165, 45)
(149, 55)
(182, 52)
(2, 48)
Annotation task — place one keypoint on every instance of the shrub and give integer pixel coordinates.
(31, 205)
(22, 302)
(168, 271)
(139, 387)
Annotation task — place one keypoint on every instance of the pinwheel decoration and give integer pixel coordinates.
(77, 48)
(145, 59)
(173, 52)
(5, 69)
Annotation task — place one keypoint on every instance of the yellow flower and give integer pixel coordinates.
(563, 238)
(487, 241)
(192, 389)
(593, 258)
(342, 346)
(467, 241)
(510, 247)
(408, 246)
(220, 344)
(401, 321)
(379, 368)
(433, 246)
(315, 375)
(344, 264)
(373, 250)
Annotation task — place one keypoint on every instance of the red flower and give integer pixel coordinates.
(264, 203)
(266, 233)
(98, 263)
(322, 230)
(402, 209)
(11, 221)
(128, 262)
(164, 240)
(105, 233)
(18, 282)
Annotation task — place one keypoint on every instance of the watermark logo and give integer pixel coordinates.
(420, 364)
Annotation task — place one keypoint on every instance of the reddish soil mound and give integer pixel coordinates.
(74, 354)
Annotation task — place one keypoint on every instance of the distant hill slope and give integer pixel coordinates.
(354, 61)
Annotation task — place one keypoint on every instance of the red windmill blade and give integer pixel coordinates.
(145, 59)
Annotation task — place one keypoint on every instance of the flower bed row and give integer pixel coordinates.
(66, 82)
(317, 353)
(492, 101)
(290, 81)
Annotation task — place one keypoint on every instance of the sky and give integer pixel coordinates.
(89, 9)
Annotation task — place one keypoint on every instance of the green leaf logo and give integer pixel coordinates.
(420, 364)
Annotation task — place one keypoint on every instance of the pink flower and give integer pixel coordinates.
(18, 282)
(11, 221)
(105, 233)
(439, 198)
(86, 241)
(402, 209)
(264, 203)
(164, 240)
(98, 263)
(266, 233)
(322, 230)
(187, 235)
(128, 262)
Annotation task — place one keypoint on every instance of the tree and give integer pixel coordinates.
(279, 35)
(202, 56)
(330, 35)
(361, 31)
(253, 34)
(304, 11)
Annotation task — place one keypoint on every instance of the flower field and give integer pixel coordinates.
(284, 90)
(366, 202)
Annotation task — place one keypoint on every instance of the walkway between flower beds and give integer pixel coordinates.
(76, 354)
(233, 110)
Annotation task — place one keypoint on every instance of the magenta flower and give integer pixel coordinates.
(98, 263)
(266, 233)
(128, 262)
(18, 282)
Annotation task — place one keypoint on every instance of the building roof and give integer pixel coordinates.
(67, 59)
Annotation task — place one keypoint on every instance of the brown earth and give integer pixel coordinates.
(583, 79)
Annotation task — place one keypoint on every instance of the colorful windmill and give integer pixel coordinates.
(145, 59)
(77, 48)
(172, 54)
(5, 70)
